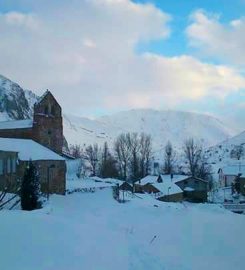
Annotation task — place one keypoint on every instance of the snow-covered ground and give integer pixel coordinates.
(93, 231)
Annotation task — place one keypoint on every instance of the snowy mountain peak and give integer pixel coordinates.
(161, 125)
(176, 126)
(13, 101)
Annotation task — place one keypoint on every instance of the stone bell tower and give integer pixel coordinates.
(47, 123)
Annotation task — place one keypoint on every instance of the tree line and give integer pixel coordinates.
(130, 158)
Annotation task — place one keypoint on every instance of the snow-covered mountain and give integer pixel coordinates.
(222, 153)
(15, 103)
(161, 125)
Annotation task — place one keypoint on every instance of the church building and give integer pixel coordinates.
(39, 139)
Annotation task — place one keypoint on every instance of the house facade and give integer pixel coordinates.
(195, 189)
(15, 155)
(8, 170)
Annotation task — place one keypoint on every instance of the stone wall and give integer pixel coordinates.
(57, 175)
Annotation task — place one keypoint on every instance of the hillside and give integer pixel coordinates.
(176, 126)
(161, 125)
(221, 153)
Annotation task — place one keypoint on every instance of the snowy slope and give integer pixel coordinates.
(161, 125)
(15, 103)
(220, 154)
(93, 231)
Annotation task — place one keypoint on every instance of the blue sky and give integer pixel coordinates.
(100, 56)
(180, 11)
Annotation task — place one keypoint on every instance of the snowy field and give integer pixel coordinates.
(93, 231)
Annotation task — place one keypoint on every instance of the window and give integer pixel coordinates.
(13, 165)
(9, 165)
(1, 167)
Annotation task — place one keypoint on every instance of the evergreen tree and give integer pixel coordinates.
(30, 189)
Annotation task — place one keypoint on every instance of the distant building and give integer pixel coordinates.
(125, 186)
(228, 174)
(39, 139)
(174, 188)
(195, 189)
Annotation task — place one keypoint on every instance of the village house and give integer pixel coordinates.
(140, 185)
(229, 173)
(194, 189)
(125, 186)
(39, 139)
(175, 188)
(161, 190)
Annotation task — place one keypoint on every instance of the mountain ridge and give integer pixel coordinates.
(163, 125)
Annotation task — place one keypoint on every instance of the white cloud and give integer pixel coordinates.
(225, 41)
(17, 19)
(85, 53)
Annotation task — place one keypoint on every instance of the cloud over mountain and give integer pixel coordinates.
(85, 51)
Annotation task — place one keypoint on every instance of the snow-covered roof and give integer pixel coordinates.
(148, 179)
(234, 170)
(167, 188)
(28, 149)
(176, 177)
(16, 124)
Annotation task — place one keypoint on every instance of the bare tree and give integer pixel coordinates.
(134, 156)
(145, 154)
(169, 158)
(196, 160)
(76, 151)
(123, 153)
(133, 152)
(92, 154)
(192, 152)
